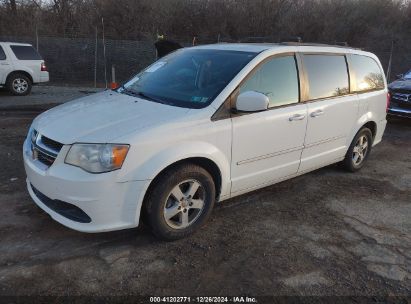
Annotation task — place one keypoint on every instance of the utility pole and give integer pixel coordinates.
(37, 38)
(104, 54)
(95, 59)
(390, 61)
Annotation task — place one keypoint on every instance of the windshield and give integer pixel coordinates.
(407, 75)
(189, 78)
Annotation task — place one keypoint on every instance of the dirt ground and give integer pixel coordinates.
(325, 233)
(42, 95)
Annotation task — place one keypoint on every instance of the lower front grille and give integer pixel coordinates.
(42, 157)
(67, 210)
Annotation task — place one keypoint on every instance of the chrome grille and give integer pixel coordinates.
(402, 97)
(44, 149)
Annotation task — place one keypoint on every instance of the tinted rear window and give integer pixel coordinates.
(366, 74)
(327, 75)
(2, 54)
(24, 52)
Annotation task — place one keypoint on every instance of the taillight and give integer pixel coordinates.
(43, 67)
(388, 100)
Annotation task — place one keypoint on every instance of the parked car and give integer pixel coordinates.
(201, 125)
(21, 67)
(400, 91)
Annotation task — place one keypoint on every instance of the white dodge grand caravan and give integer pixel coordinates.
(21, 66)
(201, 125)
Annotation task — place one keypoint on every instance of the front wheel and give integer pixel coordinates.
(358, 151)
(180, 201)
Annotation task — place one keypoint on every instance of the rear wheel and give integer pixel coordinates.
(180, 201)
(358, 151)
(19, 84)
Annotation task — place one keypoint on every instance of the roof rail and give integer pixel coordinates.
(337, 44)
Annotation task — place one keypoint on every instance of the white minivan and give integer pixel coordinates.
(21, 66)
(201, 125)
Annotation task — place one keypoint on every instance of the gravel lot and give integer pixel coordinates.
(325, 233)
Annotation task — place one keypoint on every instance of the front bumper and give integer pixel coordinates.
(109, 204)
(401, 112)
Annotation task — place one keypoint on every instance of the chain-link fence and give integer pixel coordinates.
(82, 61)
(88, 61)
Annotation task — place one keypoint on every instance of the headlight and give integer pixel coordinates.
(32, 135)
(97, 158)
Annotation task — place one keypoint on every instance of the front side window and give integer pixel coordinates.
(276, 78)
(25, 52)
(189, 78)
(2, 54)
(366, 74)
(327, 75)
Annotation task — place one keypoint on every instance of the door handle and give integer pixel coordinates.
(5, 64)
(317, 113)
(297, 117)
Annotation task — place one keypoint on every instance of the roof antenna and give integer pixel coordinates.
(297, 39)
(341, 43)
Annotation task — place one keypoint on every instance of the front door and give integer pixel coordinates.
(267, 145)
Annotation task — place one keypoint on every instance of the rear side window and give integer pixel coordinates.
(24, 52)
(327, 75)
(366, 74)
(277, 78)
(2, 54)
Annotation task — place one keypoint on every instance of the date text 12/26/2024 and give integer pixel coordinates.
(239, 299)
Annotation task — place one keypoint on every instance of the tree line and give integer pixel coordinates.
(358, 22)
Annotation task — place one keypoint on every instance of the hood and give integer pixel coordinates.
(400, 84)
(103, 117)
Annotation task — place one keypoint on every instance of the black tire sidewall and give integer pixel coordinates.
(10, 84)
(158, 195)
(348, 163)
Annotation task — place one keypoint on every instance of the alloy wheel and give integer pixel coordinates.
(20, 85)
(360, 150)
(184, 204)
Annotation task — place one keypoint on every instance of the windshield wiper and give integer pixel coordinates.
(127, 91)
(148, 97)
(142, 95)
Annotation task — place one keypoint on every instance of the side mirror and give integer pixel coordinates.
(252, 101)
(399, 76)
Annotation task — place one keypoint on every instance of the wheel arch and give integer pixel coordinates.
(372, 125)
(368, 120)
(25, 73)
(209, 165)
(206, 163)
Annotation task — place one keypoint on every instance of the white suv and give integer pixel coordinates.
(21, 66)
(201, 125)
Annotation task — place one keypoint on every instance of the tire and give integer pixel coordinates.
(19, 84)
(358, 151)
(174, 214)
